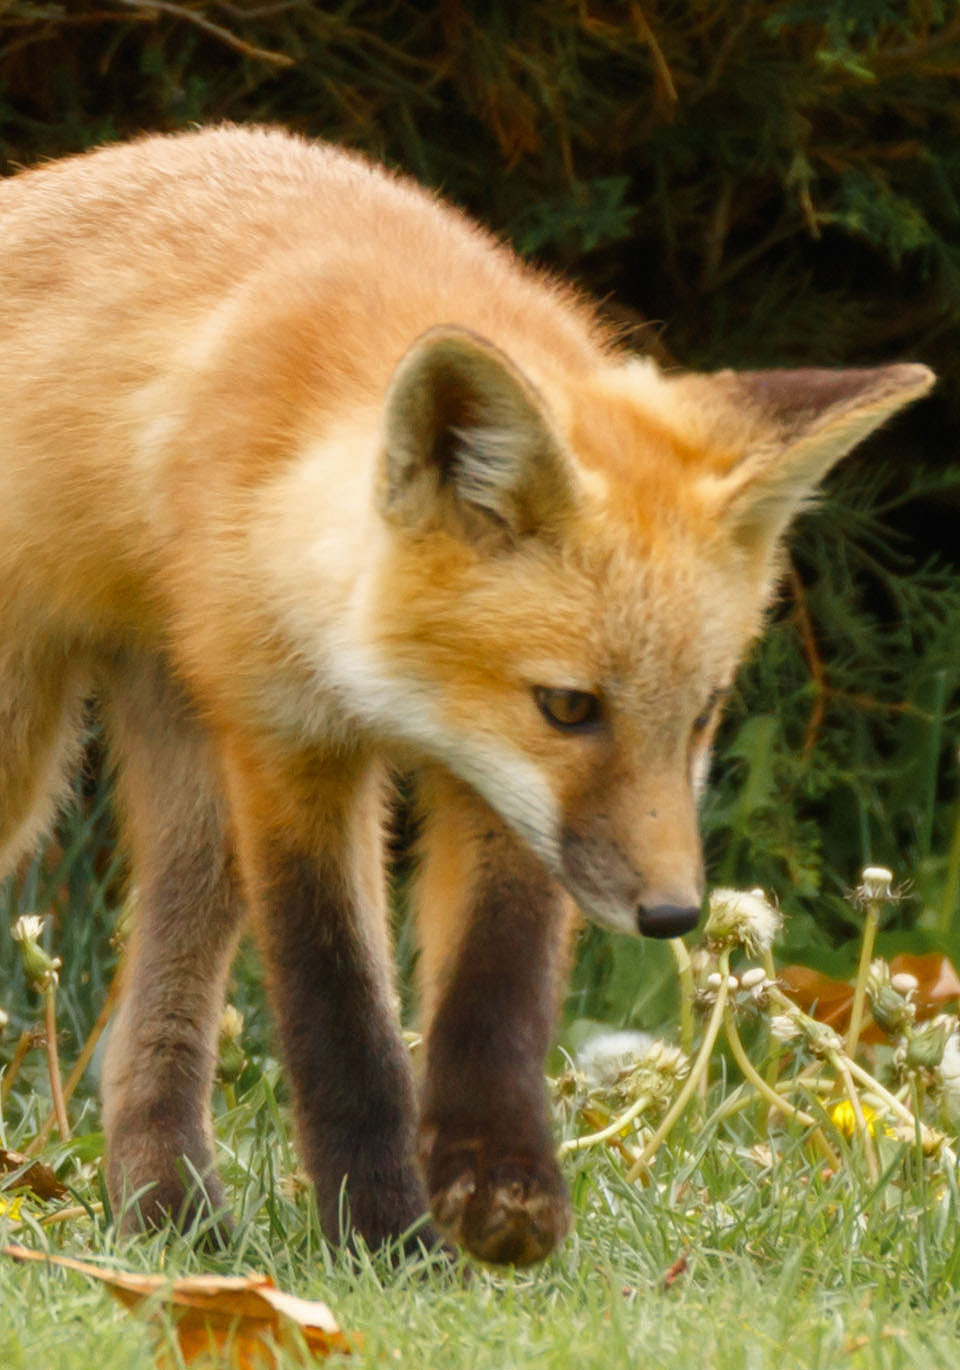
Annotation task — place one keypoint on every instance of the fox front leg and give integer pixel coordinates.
(495, 931)
(311, 847)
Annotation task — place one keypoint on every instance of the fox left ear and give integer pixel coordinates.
(806, 421)
(468, 445)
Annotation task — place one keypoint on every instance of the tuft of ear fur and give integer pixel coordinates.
(806, 421)
(468, 445)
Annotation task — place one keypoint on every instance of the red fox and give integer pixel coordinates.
(305, 477)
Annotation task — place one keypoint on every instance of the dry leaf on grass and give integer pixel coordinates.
(830, 1000)
(239, 1319)
(937, 981)
(37, 1176)
(826, 999)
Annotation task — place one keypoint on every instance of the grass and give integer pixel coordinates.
(742, 1250)
(784, 1266)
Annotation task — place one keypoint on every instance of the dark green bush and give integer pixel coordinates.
(746, 183)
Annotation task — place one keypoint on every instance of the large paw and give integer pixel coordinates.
(504, 1208)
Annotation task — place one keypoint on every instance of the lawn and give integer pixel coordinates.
(743, 1244)
(728, 1259)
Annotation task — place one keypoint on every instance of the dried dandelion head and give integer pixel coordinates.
(892, 1010)
(784, 1028)
(39, 967)
(741, 918)
(658, 1072)
(926, 1047)
(876, 886)
(230, 1054)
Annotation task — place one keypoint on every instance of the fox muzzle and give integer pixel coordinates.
(667, 920)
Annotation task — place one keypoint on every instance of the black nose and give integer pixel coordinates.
(667, 920)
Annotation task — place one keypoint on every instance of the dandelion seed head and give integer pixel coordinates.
(742, 918)
(876, 886)
(892, 1011)
(925, 1048)
(28, 928)
(39, 966)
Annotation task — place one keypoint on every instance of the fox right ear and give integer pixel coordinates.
(808, 420)
(468, 445)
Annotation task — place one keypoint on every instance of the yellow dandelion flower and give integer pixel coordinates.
(845, 1120)
(10, 1208)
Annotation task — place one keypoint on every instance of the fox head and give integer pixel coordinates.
(573, 571)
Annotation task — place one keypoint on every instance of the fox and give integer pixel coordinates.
(306, 479)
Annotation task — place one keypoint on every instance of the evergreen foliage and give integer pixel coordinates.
(749, 182)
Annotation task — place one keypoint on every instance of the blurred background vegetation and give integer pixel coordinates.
(748, 184)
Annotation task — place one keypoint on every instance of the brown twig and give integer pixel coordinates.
(28, 1040)
(814, 661)
(871, 705)
(233, 40)
(665, 81)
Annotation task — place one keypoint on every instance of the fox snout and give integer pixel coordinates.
(667, 920)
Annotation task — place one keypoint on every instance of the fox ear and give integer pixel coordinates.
(467, 443)
(805, 422)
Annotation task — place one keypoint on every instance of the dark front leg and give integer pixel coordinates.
(317, 885)
(495, 936)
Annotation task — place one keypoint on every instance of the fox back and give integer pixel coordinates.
(305, 476)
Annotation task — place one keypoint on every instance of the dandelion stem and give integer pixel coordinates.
(756, 1079)
(773, 1065)
(64, 1215)
(871, 923)
(53, 1061)
(613, 1129)
(874, 1085)
(842, 1066)
(83, 1060)
(596, 1119)
(685, 972)
(696, 1073)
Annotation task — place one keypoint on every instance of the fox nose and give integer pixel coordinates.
(667, 920)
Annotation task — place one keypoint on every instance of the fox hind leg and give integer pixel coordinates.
(161, 1054)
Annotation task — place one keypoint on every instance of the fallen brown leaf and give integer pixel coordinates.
(830, 1000)
(37, 1176)
(826, 999)
(937, 980)
(233, 1316)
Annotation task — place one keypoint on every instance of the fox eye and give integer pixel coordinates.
(572, 711)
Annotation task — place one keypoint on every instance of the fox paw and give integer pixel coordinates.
(152, 1186)
(503, 1208)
